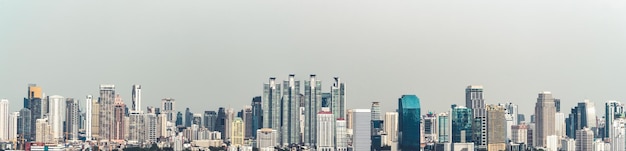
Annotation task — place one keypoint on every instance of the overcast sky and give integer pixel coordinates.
(212, 53)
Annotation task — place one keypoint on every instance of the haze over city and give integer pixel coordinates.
(208, 54)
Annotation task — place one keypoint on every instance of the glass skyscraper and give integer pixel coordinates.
(461, 124)
(409, 123)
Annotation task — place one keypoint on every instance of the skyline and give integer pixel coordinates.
(221, 53)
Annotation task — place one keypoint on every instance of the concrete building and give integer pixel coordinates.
(520, 134)
(496, 127)
(72, 116)
(391, 128)
(136, 99)
(237, 132)
(107, 117)
(444, 128)
(552, 143)
(56, 116)
(545, 111)
(4, 120)
(44, 132)
(88, 117)
(325, 130)
(341, 135)
(568, 144)
(584, 139)
(618, 134)
(12, 126)
(95, 120)
(266, 139)
(119, 111)
(361, 139)
(167, 107)
(474, 100)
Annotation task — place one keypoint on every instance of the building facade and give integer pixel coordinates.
(361, 138)
(409, 112)
(545, 111)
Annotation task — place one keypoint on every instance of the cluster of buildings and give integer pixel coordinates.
(288, 117)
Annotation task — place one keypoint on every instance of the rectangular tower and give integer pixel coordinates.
(545, 111)
(409, 111)
(474, 100)
(312, 105)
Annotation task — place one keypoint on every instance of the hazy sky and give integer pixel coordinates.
(212, 53)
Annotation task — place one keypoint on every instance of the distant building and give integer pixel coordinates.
(338, 99)
(12, 126)
(444, 128)
(119, 129)
(237, 132)
(545, 111)
(409, 112)
(391, 128)
(55, 117)
(474, 100)
(88, 117)
(361, 139)
(257, 115)
(312, 105)
(612, 110)
(106, 102)
(325, 130)
(461, 118)
(167, 107)
(266, 139)
(496, 128)
(136, 95)
(4, 120)
(341, 135)
(584, 139)
(72, 116)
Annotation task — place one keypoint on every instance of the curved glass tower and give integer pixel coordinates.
(409, 123)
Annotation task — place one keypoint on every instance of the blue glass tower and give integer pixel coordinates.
(461, 124)
(409, 113)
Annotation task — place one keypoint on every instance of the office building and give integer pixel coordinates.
(290, 107)
(618, 134)
(312, 105)
(266, 139)
(513, 112)
(257, 115)
(248, 120)
(188, 117)
(377, 127)
(341, 135)
(119, 111)
(24, 124)
(230, 116)
(37, 106)
(325, 130)
(496, 127)
(391, 128)
(210, 120)
(136, 99)
(95, 121)
(429, 128)
(409, 112)
(444, 128)
(361, 138)
(474, 100)
(559, 125)
(237, 132)
(584, 139)
(44, 132)
(167, 107)
(72, 118)
(461, 118)
(612, 110)
(197, 119)
(12, 126)
(519, 134)
(271, 101)
(544, 114)
(338, 99)
(4, 120)
(106, 102)
(56, 116)
(88, 117)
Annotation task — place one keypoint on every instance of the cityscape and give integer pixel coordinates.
(297, 115)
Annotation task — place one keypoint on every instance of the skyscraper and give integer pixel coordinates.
(248, 120)
(377, 127)
(88, 117)
(325, 130)
(24, 124)
(237, 132)
(409, 112)
(4, 120)
(12, 126)
(429, 127)
(584, 139)
(257, 115)
(271, 104)
(71, 119)
(544, 114)
(341, 135)
(475, 101)
(361, 138)
(210, 120)
(95, 122)
(612, 108)
(496, 126)
(349, 119)
(266, 139)
(136, 94)
(35, 105)
(312, 105)
(44, 132)
(106, 100)
(391, 128)
(167, 107)
(221, 122)
(290, 106)
(118, 125)
(559, 125)
(443, 130)
(56, 116)
(338, 99)
(179, 119)
(461, 124)
(618, 134)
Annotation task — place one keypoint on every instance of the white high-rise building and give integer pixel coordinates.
(568, 144)
(361, 139)
(13, 126)
(391, 128)
(266, 139)
(88, 117)
(341, 137)
(552, 143)
(167, 107)
(325, 130)
(43, 130)
(56, 116)
(584, 139)
(559, 124)
(136, 94)
(4, 120)
(618, 134)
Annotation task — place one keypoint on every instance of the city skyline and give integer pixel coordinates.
(183, 53)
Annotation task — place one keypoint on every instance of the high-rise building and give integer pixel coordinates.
(312, 105)
(56, 117)
(35, 104)
(12, 126)
(349, 117)
(271, 100)
(257, 115)
(266, 139)
(188, 117)
(429, 128)
(461, 118)
(325, 130)
(210, 120)
(361, 138)
(24, 124)
(612, 110)
(618, 134)
(584, 139)
(136, 94)
(44, 132)
(443, 128)
(118, 125)
(106, 100)
(72, 116)
(248, 120)
(559, 124)
(513, 112)
(167, 107)
(552, 142)
(4, 120)
(544, 117)
(377, 127)
(197, 119)
(179, 119)
(290, 107)
(326, 99)
(88, 117)
(338, 99)
(474, 100)
(341, 135)
(409, 112)
(230, 116)
(95, 122)
(221, 122)
(557, 104)
(496, 126)
(237, 132)
(520, 134)
(391, 128)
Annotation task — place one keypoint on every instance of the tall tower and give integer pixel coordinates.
(391, 128)
(4, 120)
(612, 108)
(106, 100)
(119, 125)
(461, 118)
(210, 120)
(341, 135)
(325, 130)
(271, 104)
(312, 105)
(136, 94)
(257, 115)
(290, 108)
(496, 125)
(71, 119)
(338, 99)
(35, 104)
(475, 101)
(584, 139)
(443, 127)
(55, 117)
(409, 112)
(377, 127)
(361, 138)
(95, 120)
(167, 107)
(237, 132)
(88, 115)
(13, 126)
(24, 122)
(545, 111)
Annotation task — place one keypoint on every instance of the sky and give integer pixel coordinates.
(208, 54)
